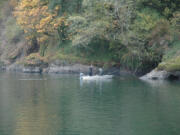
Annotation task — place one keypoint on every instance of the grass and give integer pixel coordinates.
(172, 52)
(69, 54)
(171, 59)
(64, 56)
(72, 58)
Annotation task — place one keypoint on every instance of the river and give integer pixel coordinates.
(32, 104)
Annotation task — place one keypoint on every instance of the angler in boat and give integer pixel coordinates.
(91, 70)
(100, 71)
(95, 77)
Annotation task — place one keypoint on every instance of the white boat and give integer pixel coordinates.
(96, 77)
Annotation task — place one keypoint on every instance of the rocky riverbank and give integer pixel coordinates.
(52, 68)
(57, 67)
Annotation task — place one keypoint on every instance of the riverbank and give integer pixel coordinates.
(169, 68)
(71, 41)
(59, 67)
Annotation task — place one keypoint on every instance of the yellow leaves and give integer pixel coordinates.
(43, 39)
(28, 3)
(33, 12)
(61, 21)
(25, 31)
(37, 20)
(40, 31)
(29, 37)
(45, 8)
(57, 8)
(33, 17)
(56, 25)
(45, 20)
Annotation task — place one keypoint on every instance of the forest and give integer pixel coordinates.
(137, 35)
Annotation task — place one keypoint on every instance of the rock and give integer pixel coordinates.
(15, 68)
(58, 63)
(174, 75)
(76, 69)
(45, 70)
(2, 66)
(161, 75)
(156, 75)
(32, 70)
(21, 68)
(59, 68)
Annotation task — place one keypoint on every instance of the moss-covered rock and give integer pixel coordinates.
(171, 59)
(171, 65)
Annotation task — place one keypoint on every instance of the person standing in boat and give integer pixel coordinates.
(91, 70)
(100, 71)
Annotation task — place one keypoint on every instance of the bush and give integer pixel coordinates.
(145, 21)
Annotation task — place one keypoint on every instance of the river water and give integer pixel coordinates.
(32, 104)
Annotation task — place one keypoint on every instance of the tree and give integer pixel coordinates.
(38, 22)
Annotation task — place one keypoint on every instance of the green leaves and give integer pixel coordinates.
(132, 32)
(164, 7)
(146, 20)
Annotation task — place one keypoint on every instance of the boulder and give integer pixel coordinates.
(161, 75)
(156, 75)
(32, 70)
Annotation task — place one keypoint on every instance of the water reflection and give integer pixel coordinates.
(94, 84)
(33, 115)
(63, 105)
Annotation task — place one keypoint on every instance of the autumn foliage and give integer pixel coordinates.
(133, 33)
(38, 22)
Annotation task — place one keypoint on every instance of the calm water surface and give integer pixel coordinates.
(62, 105)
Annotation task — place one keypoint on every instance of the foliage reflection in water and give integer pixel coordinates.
(63, 105)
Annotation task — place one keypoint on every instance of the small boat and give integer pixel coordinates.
(95, 77)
